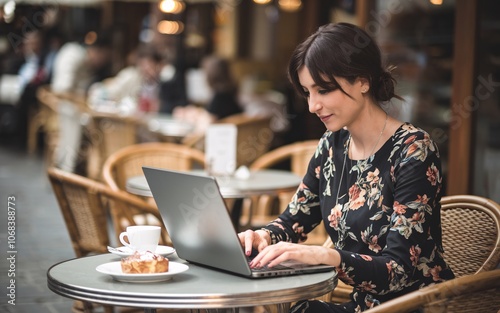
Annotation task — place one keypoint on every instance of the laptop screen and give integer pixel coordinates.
(197, 219)
(200, 226)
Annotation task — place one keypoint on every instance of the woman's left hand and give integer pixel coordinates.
(283, 251)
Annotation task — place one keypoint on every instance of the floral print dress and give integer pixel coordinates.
(382, 213)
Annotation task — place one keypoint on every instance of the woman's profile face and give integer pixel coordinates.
(333, 107)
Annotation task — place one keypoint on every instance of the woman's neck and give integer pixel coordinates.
(369, 133)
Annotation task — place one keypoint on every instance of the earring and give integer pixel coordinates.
(364, 90)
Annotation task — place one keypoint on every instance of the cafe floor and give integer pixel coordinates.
(40, 240)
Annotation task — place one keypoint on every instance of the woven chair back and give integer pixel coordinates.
(128, 162)
(83, 211)
(254, 137)
(86, 205)
(471, 293)
(471, 233)
(260, 210)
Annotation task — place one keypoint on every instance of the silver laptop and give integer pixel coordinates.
(200, 226)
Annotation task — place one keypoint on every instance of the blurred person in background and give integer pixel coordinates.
(77, 66)
(172, 86)
(224, 98)
(148, 84)
(38, 50)
(136, 85)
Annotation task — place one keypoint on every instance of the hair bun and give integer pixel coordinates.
(385, 90)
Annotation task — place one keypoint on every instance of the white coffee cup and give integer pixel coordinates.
(141, 238)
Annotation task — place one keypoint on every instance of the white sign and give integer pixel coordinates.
(220, 149)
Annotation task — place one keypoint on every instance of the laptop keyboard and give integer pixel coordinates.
(265, 268)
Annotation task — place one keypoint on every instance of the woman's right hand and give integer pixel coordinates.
(258, 240)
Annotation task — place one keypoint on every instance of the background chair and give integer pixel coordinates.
(471, 237)
(43, 118)
(83, 211)
(260, 210)
(108, 133)
(124, 209)
(254, 137)
(469, 293)
(84, 216)
(85, 205)
(471, 233)
(128, 162)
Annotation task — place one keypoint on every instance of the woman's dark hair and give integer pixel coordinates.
(218, 73)
(342, 50)
(149, 52)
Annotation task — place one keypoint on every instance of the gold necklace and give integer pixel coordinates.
(343, 168)
(378, 140)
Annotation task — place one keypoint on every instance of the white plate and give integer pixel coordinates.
(115, 270)
(126, 251)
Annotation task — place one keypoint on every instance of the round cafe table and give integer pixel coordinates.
(259, 183)
(168, 128)
(195, 289)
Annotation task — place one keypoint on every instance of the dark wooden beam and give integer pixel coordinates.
(459, 180)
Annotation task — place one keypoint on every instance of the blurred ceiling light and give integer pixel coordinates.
(8, 10)
(262, 1)
(290, 5)
(90, 38)
(436, 2)
(170, 27)
(171, 6)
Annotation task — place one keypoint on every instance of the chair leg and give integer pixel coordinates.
(108, 309)
(78, 307)
(35, 123)
(88, 307)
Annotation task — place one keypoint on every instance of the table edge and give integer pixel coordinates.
(207, 301)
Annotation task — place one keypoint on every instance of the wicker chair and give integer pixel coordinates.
(259, 210)
(253, 139)
(83, 211)
(467, 250)
(43, 118)
(128, 162)
(47, 118)
(471, 233)
(84, 216)
(469, 293)
(108, 133)
(85, 205)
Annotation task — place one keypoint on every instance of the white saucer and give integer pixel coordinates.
(115, 270)
(126, 251)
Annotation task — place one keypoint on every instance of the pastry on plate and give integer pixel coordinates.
(144, 263)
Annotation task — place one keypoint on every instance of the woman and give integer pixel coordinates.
(374, 181)
(224, 100)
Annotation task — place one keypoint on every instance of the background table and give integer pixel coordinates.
(196, 288)
(168, 128)
(259, 183)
